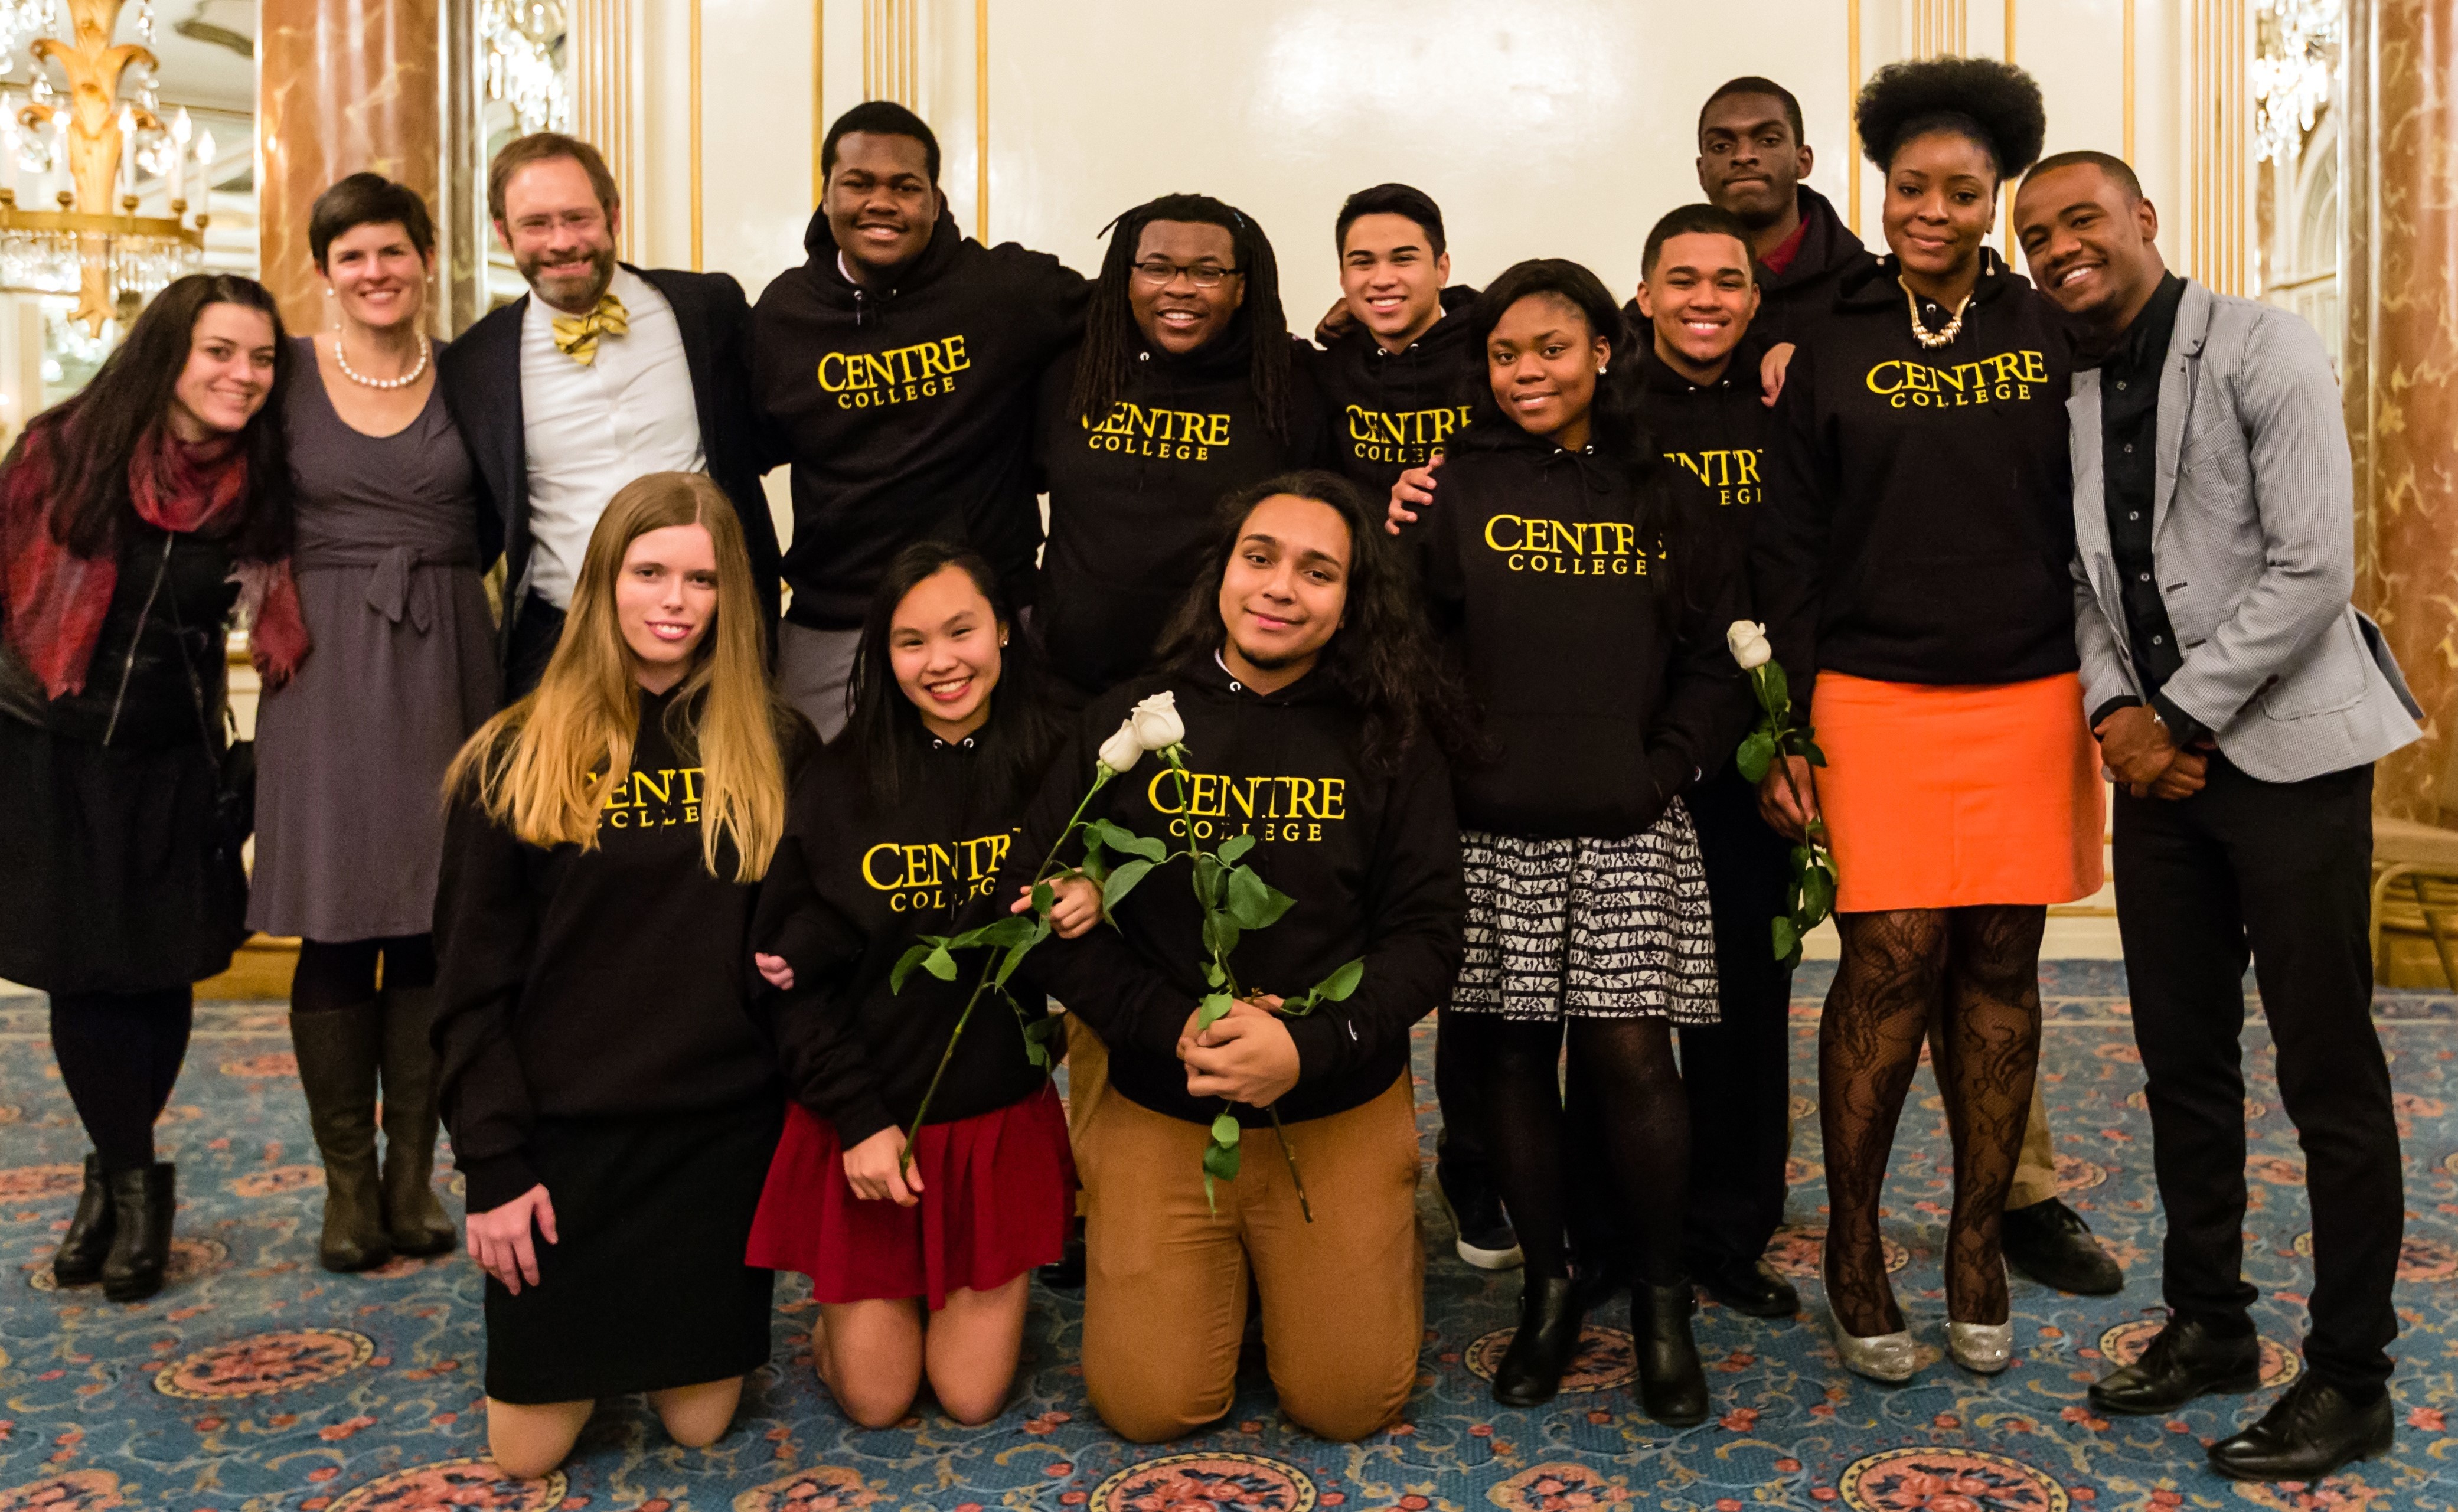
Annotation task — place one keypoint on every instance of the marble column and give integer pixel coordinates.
(2402, 367)
(350, 86)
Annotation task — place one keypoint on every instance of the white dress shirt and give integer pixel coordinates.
(591, 429)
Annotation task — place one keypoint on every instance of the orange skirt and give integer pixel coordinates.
(1947, 797)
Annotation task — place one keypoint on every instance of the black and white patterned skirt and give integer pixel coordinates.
(1588, 928)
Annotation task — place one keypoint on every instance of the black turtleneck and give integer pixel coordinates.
(1370, 857)
(1391, 411)
(854, 883)
(1134, 494)
(1595, 647)
(907, 411)
(609, 982)
(1921, 524)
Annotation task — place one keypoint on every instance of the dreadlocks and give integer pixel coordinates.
(1111, 340)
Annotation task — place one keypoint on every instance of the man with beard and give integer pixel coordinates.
(898, 369)
(601, 373)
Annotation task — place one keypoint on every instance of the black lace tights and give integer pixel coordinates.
(1968, 978)
(1638, 1113)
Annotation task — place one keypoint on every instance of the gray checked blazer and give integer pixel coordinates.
(2254, 545)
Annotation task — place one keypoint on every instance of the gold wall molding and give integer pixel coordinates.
(603, 69)
(2219, 130)
(2128, 85)
(1941, 26)
(982, 121)
(820, 91)
(698, 113)
(1851, 117)
(891, 35)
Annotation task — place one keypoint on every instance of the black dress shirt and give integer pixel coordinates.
(2129, 431)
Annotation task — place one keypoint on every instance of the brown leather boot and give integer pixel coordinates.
(413, 1216)
(338, 1049)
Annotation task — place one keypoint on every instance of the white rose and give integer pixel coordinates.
(1156, 722)
(1122, 751)
(1748, 641)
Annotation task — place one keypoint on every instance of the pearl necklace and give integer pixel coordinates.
(341, 361)
(1931, 341)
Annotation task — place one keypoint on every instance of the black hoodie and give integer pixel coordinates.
(1133, 497)
(1372, 861)
(851, 887)
(1922, 519)
(1715, 434)
(1391, 411)
(613, 982)
(1601, 700)
(1793, 302)
(907, 414)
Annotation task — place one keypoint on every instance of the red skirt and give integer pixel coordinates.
(998, 1190)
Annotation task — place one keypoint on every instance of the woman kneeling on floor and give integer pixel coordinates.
(949, 736)
(611, 1100)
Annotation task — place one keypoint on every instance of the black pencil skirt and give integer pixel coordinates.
(646, 1288)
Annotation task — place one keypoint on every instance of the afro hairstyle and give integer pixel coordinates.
(1995, 104)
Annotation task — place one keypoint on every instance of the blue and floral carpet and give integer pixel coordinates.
(257, 1382)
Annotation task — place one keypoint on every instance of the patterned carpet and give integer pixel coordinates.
(259, 1384)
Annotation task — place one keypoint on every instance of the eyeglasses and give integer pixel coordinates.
(1160, 273)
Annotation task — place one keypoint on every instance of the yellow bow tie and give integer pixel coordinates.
(576, 336)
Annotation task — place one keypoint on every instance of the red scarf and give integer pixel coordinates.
(56, 599)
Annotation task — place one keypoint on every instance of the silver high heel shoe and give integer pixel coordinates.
(1887, 1358)
(1986, 1348)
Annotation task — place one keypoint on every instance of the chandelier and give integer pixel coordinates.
(97, 158)
(523, 42)
(2296, 58)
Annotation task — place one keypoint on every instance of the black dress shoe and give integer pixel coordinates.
(2186, 1360)
(2051, 1243)
(142, 1201)
(1671, 1384)
(1484, 1236)
(2310, 1431)
(1748, 1286)
(1532, 1368)
(80, 1258)
(1065, 1273)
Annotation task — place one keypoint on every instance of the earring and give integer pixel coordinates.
(1602, 368)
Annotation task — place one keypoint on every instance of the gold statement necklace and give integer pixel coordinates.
(1930, 341)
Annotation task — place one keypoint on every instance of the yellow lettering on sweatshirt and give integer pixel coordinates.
(928, 876)
(1998, 377)
(1170, 435)
(900, 375)
(1731, 477)
(1215, 805)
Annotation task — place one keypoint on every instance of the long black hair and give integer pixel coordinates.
(886, 730)
(1111, 340)
(1383, 656)
(95, 432)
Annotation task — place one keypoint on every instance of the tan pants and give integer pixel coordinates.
(1343, 1297)
(2035, 1171)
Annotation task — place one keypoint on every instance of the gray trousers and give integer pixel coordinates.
(814, 669)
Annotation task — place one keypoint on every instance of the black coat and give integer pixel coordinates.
(481, 374)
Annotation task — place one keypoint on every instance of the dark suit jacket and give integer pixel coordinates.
(481, 374)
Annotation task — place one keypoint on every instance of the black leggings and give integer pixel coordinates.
(338, 974)
(119, 1053)
(1968, 980)
(1641, 1119)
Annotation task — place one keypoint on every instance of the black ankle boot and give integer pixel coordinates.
(1672, 1384)
(1532, 1368)
(142, 1201)
(80, 1258)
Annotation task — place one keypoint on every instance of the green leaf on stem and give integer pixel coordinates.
(1809, 749)
(1045, 897)
(1756, 755)
(939, 964)
(1118, 839)
(1219, 933)
(998, 935)
(1015, 953)
(1817, 896)
(1235, 846)
(1221, 1161)
(906, 964)
(1225, 1130)
(1122, 882)
(1333, 988)
(1254, 902)
(1211, 1010)
(1775, 688)
(1207, 881)
(1214, 977)
(1787, 939)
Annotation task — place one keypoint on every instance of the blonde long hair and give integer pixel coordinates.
(546, 767)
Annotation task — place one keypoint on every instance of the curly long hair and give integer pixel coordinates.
(1111, 340)
(1994, 104)
(1382, 657)
(95, 433)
